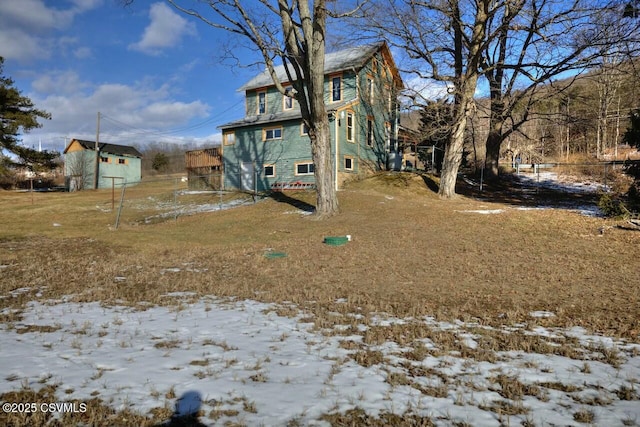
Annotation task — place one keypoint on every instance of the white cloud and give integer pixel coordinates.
(426, 89)
(166, 29)
(33, 15)
(60, 82)
(82, 52)
(136, 113)
(26, 26)
(21, 46)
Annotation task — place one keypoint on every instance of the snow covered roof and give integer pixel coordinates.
(346, 59)
(262, 118)
(276, 117)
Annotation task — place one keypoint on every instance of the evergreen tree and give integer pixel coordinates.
(18, 115)
(160, 162)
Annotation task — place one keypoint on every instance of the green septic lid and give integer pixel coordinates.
(336, 240)
(272, 255)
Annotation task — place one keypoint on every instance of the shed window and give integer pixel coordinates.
(104, 159)
(122, 161)
(229, 138)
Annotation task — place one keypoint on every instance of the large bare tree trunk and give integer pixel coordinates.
(466, 71)
(326, 202)
(316, 114)
(494, 139)
(453, 151)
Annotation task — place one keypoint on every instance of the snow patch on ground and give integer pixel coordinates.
(565, 184)
(484, 211)
(241, 356)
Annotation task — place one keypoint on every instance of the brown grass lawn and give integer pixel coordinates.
(411, 254)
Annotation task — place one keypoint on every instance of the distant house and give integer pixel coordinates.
(122, 162)
(270, 149)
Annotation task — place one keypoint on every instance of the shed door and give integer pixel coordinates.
(247, 176)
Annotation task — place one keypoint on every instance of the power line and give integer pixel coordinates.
(168, 133)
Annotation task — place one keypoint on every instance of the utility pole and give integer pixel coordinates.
(97, 149)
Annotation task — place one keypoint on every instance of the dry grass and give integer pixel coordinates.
(358, 417)
(411, 255)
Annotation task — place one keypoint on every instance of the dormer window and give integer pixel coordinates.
(262, 102)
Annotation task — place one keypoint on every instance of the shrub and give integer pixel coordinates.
(612, 206)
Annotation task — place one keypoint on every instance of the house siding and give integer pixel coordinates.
(79, 167)
(292, 148)
(283, 154)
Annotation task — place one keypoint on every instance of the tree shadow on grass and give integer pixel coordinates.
(430, 182)
(510, 190)
(281, 197)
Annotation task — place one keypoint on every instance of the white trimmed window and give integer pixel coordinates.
(262, 102)
(336, 88)
(350, 133)
(287, 99)
(387, 135)
(228, 138)
(370, 89)
(370, 136)
(269, 171)
(348, 163)
(304, 129)
(305, 168)
(271, 134)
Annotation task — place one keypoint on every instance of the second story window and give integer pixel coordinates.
(370, 89)
(287, 101)
(336, 88)
(272, 133)
(262, 102)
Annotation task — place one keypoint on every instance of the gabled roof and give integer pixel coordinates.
(351, 58)
(115, 149)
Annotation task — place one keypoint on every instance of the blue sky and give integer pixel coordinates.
(154, 74)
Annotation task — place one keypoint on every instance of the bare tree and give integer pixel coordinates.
(517, 45)
(537, 41)
(444, 41)
(293, 31)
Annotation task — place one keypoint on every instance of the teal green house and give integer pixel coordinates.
(117, 164)
(269, 148)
